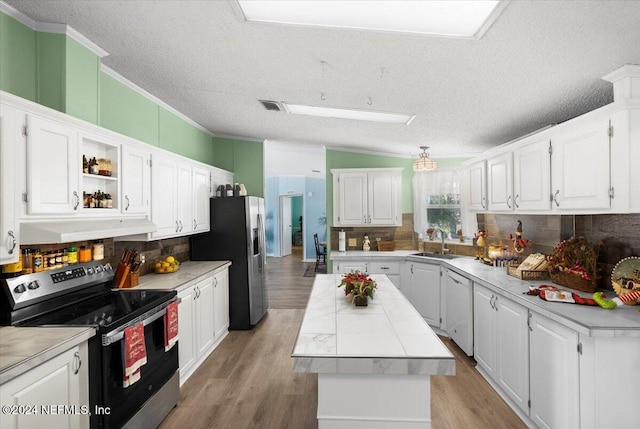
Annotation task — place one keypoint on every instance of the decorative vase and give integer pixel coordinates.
(360, 301)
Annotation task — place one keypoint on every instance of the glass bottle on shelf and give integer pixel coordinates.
(93, 166)
(85, 165)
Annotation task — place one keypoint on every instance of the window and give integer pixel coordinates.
(439, 203)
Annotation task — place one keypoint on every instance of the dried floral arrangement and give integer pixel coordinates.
(575, 256)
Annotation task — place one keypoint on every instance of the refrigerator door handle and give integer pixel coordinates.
(260, 244)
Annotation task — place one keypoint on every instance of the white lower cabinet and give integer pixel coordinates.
(501, 344)
(390, 268)
(458, 309)
(60, 381)
(420, 284)
(555, 375)
(203, 319)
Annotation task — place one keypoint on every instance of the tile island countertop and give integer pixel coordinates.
(387, 337)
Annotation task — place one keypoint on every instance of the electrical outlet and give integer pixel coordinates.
(352, 242)
(142, 258)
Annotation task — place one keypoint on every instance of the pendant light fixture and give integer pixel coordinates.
(424, 163)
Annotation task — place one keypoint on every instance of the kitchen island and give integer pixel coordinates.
(373, 363)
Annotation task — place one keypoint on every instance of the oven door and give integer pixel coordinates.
(113, 405)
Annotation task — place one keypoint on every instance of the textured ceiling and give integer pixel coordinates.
(540, 63)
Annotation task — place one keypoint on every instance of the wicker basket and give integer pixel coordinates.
(386, 246)
(527, 274)
(573, 281)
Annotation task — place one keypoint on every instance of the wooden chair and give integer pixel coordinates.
(321, 252)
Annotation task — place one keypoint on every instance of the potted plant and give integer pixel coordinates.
(358, 287)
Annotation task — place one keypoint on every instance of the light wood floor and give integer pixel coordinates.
(248, 382)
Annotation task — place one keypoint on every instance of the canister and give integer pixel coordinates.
(98, 251)
(38, 263)
(13, 269)
(72, 255)
(27, 262)
(84, 255)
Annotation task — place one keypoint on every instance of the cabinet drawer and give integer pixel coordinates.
(384, 268)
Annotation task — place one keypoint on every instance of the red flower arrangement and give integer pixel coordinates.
(358, 284)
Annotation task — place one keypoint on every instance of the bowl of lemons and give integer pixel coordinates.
(167, 265)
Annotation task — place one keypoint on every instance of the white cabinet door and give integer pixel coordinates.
(512, 351)
(164, 179)
(221, 303)
(9, 217)
(201, 185)
(53, 167)
(425, 292)
(187, 351)
(554, 373)
(136, 180)
(185, 199)
(580, 167)
(352, 197)
(532, 176)
(205, 327)
(477, 186)
(62, 380)
(382, 199)
(500, 182)
(484, 330)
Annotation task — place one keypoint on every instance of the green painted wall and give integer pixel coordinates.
(82, 76)
(125, 111)
(17, 58)
(248, 166)
(50, 84)
(180, 137)
(223, 153)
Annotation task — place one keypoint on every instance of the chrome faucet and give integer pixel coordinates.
(443, 249)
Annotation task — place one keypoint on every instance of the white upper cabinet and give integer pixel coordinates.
(185, 198)
(219, 177)
(136, 180)
(580, 167)
(367, 197)
(500, 182)
(53, 167)
(201, 193)
(9, 216)
(531, 176)
(164, 195)
(478, 186)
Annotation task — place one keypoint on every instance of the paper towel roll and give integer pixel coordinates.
(342, 241)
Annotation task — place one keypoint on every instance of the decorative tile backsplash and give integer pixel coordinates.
(403, 235)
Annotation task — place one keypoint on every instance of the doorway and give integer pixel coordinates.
(291, 226)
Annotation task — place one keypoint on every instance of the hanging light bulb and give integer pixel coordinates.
(424, 163)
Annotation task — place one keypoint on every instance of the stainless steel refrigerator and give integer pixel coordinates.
(237, 234)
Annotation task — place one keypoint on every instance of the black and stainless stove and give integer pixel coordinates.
(82, 295)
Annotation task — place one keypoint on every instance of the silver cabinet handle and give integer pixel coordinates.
(385, 268)
(195, 225)
(77, 199)
(482, 202)
(508, 201)
(515, 200)
(177, 227)
(369, 218)
(555, 198)
(14, 242)
(491, 301)
(181, 226)
(364, 219)
(126, 197)
(411, 268)
(78, 361)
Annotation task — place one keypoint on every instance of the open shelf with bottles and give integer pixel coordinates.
(100, 176)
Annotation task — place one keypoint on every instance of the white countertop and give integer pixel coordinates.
(386, 337)
(189, 270)
(624, 321)
(24, 348)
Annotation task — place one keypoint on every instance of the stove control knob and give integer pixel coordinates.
(91, 271)
(98, 268)
(20, 288)
(33, 285)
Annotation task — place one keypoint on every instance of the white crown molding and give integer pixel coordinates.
(236, 137)
(123, 80)
(52, 27)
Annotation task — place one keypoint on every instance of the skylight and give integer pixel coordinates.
(360, 115)
(466, 19)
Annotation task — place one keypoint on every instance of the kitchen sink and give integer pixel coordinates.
(435, 255)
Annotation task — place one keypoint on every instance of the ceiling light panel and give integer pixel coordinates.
(444, 18)
(359, 115)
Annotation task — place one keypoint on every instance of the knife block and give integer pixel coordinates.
(132, 280)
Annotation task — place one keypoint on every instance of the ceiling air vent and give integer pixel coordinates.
(271, 105)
